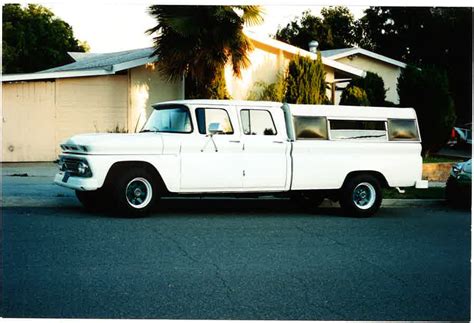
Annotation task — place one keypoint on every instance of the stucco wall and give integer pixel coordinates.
(148, 87)
(28, 121)
(39, 115)
(388, 72)
(92, 104)
(266, 63)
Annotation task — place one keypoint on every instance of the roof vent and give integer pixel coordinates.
(313, 46)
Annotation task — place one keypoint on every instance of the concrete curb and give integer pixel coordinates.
(71, 201)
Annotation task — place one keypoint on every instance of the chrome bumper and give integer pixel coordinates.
(75, 182)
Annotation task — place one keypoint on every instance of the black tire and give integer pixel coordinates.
(92, 200)
(361, 195)
(135, 193)
(450, 191)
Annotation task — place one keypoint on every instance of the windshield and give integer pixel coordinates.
(173, 118)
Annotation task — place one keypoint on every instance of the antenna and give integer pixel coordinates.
(139, 117)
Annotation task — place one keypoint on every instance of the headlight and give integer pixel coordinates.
(456, 169)
(75, 166)
(82, 168)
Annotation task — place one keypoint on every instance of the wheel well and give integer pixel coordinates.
(379, 176)
(121, 166)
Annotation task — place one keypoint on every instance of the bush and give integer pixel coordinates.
(268, 91)
(374, 86)
(305, 81)
(353, 95)
(427, 91)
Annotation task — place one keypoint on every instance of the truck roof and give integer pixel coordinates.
(267, 104)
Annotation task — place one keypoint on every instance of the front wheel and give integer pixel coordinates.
(361, 195)
(135, 192)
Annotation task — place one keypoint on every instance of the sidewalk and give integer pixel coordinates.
(39, 169)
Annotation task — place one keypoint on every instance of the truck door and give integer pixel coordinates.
(266, 150)
(211, 162)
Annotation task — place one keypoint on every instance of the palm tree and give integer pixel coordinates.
(198, 41)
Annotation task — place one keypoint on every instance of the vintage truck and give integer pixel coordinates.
(206, 147)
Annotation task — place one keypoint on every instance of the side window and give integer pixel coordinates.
(257, 122)
(206, 116)
(310, 127)
(402, 130)
(358, 130)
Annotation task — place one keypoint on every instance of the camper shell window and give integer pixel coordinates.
(367, 130)
(310, 127)
(403, 130)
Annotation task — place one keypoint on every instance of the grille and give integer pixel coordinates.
(70, 165)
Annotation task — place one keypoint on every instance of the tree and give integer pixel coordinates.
(34, 39)
(427, 91)
(353, 95)
(373, 86)
(334, 30)
(341, 22)
(305, 81)
(198, 41)
(425, 36)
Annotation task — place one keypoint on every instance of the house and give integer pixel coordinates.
(113, 92)
(387, 68)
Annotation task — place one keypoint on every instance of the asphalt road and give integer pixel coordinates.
(228, 259)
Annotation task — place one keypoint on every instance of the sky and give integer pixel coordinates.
(109, 27)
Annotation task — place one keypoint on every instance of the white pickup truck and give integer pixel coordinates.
(206, 147)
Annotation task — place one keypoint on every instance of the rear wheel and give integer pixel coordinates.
(361, 195)
(136, 192)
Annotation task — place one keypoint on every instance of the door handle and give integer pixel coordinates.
(235, 141)
(277, 142)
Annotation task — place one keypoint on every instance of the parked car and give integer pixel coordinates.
(459, 184)
(238, 147)
(461, 136)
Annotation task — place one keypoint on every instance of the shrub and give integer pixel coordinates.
(427, 91)
(353, 95)
(268, 91)
(373, 86)
(305, 81)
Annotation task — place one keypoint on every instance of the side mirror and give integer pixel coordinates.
(215, 128)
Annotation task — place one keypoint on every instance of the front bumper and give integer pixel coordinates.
(76, 182)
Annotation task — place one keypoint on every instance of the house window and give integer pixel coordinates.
(310, 127)
(403, 130)
(206, 116)
(257, 122)
(366, 130)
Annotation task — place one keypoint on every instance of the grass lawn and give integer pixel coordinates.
(413, 193)
(442, 159)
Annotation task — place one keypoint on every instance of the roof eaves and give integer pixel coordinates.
(298, 51)
(368, 53)
(53, 75)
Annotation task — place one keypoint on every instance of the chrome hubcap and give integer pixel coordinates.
(138, 192)
(364, 196)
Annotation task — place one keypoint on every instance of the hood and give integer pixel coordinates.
(113, 143)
